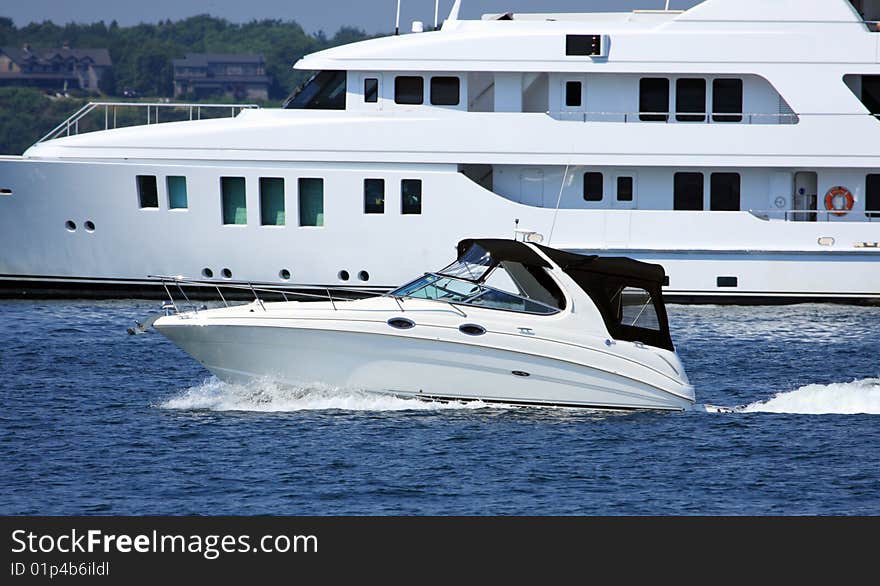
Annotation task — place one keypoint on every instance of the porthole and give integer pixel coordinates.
(364, 276)
(5, 191)
(401, 323)
(227, 274)
(472, 329)
(284, 274)
(207, 273)
(89, 226)
(70, 225)
(343, 275)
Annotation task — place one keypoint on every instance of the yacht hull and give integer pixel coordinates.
(413, 367)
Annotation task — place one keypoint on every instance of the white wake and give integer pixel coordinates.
(268, 397)
(856, 397)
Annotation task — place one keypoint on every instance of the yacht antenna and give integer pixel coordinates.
(558, 201)
(397, 20)
(667, 5)
(456, 8)
(436, 13)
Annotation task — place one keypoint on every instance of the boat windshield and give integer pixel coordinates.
(323, 91)
(454, 290)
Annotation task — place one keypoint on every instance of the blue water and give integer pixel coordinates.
(95, 421)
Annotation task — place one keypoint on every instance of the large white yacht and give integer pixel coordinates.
(735, 143)
(508, 322)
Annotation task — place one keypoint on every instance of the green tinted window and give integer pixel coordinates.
(176, 192)
(234, 200)
(311, 202)
(272, 201)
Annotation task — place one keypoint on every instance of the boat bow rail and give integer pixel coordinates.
(173, 112)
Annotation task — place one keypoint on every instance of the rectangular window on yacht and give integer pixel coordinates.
(593, 186)
(624, 189)
(311, 202)
(724, 192)
(573, 94)
(409, 90)
(690, 100)
(654, 99)
(445, 91)
(411, 196)
(234, 200)
(271, 201)
(148, 193)
(872, 196)
(371, 90)
(727, 100)
(176, 185)
(374, 196)
(583, 45)
(688, 191)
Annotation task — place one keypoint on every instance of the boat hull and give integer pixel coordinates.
(412, 367)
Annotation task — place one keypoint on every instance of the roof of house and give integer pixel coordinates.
(21, 55)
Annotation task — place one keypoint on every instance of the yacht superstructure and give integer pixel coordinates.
(734, 143)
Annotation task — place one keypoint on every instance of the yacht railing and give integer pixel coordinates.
(71, 126)
(171, 283)
(809, 215)
(667, 117)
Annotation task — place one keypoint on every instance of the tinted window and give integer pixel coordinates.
(690, 96)
(311, 202)
(374, 196)
(371, 90)
(872, 196)
(573, 94)
(624, 189)
(411, 196)
(234, 200)
(148, 194)
(176, 192)
(271, 201)
(323, 91)
(654, 97)
(727, 100)
(724, 192)
(593, 187)
(688, 191)
(871, 93)
(409, 90)
(445, 91)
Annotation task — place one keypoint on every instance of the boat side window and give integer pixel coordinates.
(573, 93)
(411, 196)
(371, 90)
(148, 193)
(688, 191)
(624, 189)
(872, 196)
(727, 100)
(409, 89)
(724, 191)
(374, 196)
(323, 91)
(234, 200)
(176, 185)
(445, 91)
(635, 308)
(690, 100)
(271, 201)
(311, 201)
(654, 99)
(593, 186)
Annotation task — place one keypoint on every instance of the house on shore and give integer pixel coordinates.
(239, 76)
(57, 69)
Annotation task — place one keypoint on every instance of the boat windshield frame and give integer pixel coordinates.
(468, 300)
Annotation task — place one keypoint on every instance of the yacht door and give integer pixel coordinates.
(572, 97)
(531, 187)
(805, 196)
(371, 88)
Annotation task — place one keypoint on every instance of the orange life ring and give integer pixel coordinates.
(839, 192)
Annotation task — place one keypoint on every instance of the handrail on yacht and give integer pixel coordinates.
(707, 117)
(71, 125)
(805, 215)
(178, 281)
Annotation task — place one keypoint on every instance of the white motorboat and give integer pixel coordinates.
(509, 322)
